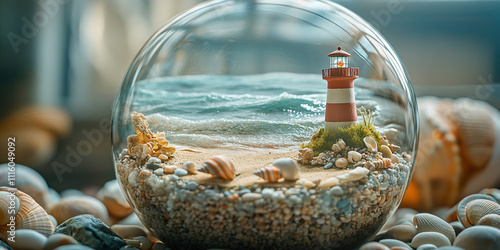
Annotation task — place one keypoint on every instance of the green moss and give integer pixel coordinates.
(353, 135)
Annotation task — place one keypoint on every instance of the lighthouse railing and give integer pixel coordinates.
(339, 72)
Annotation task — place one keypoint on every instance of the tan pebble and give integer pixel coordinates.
(169, 169)
(492, 220)
(353, 156)
(374, 246)
(386, 152)
(434, 238)
(341, 163)
(426, 222)
(395, 159)
(189, 166)
(306, 183)
(370, 144)
(476, 209)
(163, 157)
(72, 206)
(57, 240)
(330, 182)
(28, 239)
(401, 232)
(395, 243)
(140, 242)
(128, 231)
(463, 204)
(112, 197)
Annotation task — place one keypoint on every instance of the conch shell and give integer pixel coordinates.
(219, 166)
(29, 216)
(269, 173)
(339, 146)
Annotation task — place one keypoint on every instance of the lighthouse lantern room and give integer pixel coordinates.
(340, 102)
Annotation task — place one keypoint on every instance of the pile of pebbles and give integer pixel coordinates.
(472, 224)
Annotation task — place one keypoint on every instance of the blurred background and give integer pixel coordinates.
(62, 62)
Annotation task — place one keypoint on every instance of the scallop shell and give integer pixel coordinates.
(477, 209)
(9, 206)
(330, 182)
(219, 166)
(341, 163)
(353, 156)
(269, 173)
(434, 238)
(289, 169)
(339, 146)
(370, 143)
(386, 152)
(382, 163)
(30, 216)
(430, 223)
(353, 175)
(463, 204)
(72, 206)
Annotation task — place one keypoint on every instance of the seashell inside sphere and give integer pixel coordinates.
(434, 238)
(370, 144)
(341, 163)
(114, 200)
(430, 223)
(353, 175)
(269, 173)
(289, 169)
(386, 152)
(339, 146)
(382, 163)
(9, 206)
(353, 156)
(463, 203)
(76, 205)
(30, 216)
(477, 209)
(219, 166)
(330, 182)
(479, 238)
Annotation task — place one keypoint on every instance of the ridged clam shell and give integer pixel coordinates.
(353, 175)
(30, 216)
(353, 156)
(9, 206)
(386, 152)
(72, 206)
(31, 183)
(382, 163)
(463, 204)
(434, 238)
(430, 223)
(492, 220)
(339, 146)
(289, 170)
(219, 166)
(269, 173)
(370, 144)
(341, 162)
(477, 209)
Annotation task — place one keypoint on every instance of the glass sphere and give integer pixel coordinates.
(222, 129)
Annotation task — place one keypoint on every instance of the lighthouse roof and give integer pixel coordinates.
(339, 52)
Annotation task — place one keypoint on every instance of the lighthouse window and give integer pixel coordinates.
(338, 62)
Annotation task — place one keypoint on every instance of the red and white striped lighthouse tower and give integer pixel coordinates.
(340, 104)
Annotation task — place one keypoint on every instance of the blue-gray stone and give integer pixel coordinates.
(343, 205)
(192, 185)
(329, 165)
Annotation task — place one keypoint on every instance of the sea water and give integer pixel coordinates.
(269, 110)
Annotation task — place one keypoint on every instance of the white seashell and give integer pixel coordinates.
(341, 163)
(353, 175)
(394, 159)
(386, 152)
(384, 141)
(403, 232)
(462, 217)
(393, 147)
(370, 144)
(112, 197)
(434, 238)
(306, 183)
(477, 209)
(395, 243)
(75, 205)
(58, 239)
(30, 216)
(269, 173)
(219, 166)
(289, 169)
(330, 182)
(339, 146)
(306, 154)
(430, 223)
(9, 206)
(353, 156)
(189, 166)
(382, 163)
(492, 220)
(169, 169)
(478, 238)
(31, 183)
(28, 239)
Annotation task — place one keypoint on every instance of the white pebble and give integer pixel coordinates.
(251, 196)
(341, 163)
(180, 172)
(189, 166)
(28, 239)
(158, 172)
(170, 169)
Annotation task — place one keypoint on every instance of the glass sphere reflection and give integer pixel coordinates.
(243, 79)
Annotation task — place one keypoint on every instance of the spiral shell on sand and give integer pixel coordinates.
(219, 166)
(29, 216)
(72, 206)
(461, 207)
(370, 144)
(382, 163)
(353, 156)
(430, 223)
(477, 209)
(339, 146)
(269, 173)
(289, 170)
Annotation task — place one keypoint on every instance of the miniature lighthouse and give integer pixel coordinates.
(340, 105)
